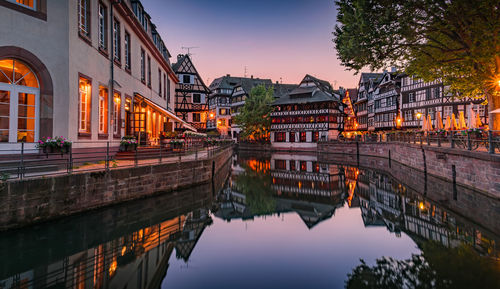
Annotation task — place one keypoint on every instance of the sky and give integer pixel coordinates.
(278, 39)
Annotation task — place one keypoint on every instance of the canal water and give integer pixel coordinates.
(276, 221)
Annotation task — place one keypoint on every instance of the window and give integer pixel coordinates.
(303, 166)
(222, 111)
(164, 86)
(116, 114)
(102, 37)
(280, 137)
(116, 40)
(428, 94)
(168, 92)
(25, 3)
(127, 50)
(143, 66)
(149, 71)
(103, 110)
(85, 88)
(159, 82)
(293, 165)
(196, 117)
(186, 79)
(222, 122)
(437, 92)
(292, 137)
(280, 164)
(315, 136)
(411, 97)
(302, 136)
(196, 98)
(84, 17)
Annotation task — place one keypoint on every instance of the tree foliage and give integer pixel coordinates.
(254, 118)
(457, 41)
(436, 267)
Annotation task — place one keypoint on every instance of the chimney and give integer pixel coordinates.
(228, 75)
(251, 76)
(179, 56)
(277, 82)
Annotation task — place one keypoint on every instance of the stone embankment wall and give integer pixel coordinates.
(36, 200)
(476, 170)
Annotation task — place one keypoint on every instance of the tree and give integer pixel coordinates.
(456, 41)
(254, 118)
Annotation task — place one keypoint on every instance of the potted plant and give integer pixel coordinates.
(475, 132)
(176, 143)
(128, 143)
(56, 144)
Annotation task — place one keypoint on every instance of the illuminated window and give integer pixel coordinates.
(302, 136)
(196, 117)
(103, 110)
(315, 136)
(292, 136)
(84, 106)
(19, 98)
(25, 3)
(116, 113)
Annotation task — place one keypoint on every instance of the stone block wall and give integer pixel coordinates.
(476, 170)
(31, 201)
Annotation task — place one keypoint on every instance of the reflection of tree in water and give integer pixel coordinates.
(255, 184)
(436, 267)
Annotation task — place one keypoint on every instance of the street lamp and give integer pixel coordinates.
(419, 115)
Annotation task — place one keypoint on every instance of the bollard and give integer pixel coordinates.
(469, 143)
(135, 157)
(452, 142)
(439, 141)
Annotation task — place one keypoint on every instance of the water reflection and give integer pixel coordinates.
(285, 220)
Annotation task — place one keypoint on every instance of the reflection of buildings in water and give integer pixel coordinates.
(136, 260)
(299, 183)
(385, 202)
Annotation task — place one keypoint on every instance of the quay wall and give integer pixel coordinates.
(36, 200)
(475, 170)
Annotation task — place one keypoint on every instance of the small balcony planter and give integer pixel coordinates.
(475, 133)
(50, 145)
(177, 144)
(128, 143)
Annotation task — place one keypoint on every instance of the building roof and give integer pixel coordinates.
(248, 83)
(281, 89)
(227, 82)
(320, 91)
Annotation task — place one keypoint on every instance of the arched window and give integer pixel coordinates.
(19, 102)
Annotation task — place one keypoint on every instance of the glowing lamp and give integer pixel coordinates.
(211, 115)
(421, 206)
(419, 115)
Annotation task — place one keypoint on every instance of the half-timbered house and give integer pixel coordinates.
(350, 122)
(240, 93)
(191, 101)
(386, 103)
(361, 105)
(421, 99)
(311, 112)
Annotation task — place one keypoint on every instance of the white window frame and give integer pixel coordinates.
(116, 40)
(101, 11)
(83, 26)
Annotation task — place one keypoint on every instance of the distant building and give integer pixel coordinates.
(366, 81)
(191, 94)
(240, 93)
(311, 112)
(386, 103)
(350, 122)
(219, 104)
(420, 99)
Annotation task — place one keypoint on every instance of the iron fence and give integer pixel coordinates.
(25, 160)
(488, 142)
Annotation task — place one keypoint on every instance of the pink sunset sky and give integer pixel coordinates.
(272, 39)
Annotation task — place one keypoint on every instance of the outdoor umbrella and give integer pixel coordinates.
(439, 121)
(424, 123)
(478, 121)
(447, 125)
(461, 121)
(454, 125)
(429, 122)
(471, 118)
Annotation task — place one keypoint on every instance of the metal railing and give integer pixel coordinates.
(24, 160)
(488, 141)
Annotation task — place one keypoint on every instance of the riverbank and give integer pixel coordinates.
(478, 171)
(25, 202)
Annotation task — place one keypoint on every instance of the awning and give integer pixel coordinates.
(167, 112)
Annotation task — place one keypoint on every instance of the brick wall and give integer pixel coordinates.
(475, 170)
(30, 201)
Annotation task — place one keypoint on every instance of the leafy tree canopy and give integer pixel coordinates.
(457, 41)
(254, 118)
